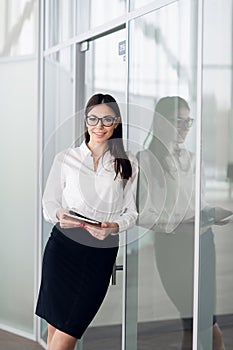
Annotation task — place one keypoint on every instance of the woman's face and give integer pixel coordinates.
(182, 123)
(101, 133)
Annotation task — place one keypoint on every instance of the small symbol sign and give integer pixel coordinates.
(122, 48)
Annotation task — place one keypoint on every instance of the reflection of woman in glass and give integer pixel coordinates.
(97, 179)
(166, 201)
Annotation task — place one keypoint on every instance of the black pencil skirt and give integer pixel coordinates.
(76, 273)
(175, 262)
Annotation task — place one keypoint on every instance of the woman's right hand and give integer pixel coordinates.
(66, 221)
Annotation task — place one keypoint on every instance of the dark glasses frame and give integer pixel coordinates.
(107, 120)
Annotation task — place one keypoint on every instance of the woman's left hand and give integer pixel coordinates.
(103, 231)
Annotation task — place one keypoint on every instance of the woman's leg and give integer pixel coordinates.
(51, 331)
(62, 341)
(218, 343)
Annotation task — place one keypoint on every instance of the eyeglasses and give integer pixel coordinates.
(184, 122)
(108, 120)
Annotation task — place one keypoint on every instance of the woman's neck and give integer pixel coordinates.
(98, 149)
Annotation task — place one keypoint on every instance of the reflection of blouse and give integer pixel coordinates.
(73, 184)
(166, 191)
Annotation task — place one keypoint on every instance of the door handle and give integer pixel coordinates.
(114, 270)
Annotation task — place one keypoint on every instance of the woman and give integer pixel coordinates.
(166, 200)
(97, 179)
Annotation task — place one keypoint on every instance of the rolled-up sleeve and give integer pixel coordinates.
(52, 197)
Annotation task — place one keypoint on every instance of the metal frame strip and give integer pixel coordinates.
(38, 231)
(124, 286)
(198, 173)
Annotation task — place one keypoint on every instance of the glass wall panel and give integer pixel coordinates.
(162, 85)
(216, 258)
(59, 21)
(58, 130)
(18, 144)
(18, 27)
(92, 13)
(18, 90)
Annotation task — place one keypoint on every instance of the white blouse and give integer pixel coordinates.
(167, 191)
(74, 184)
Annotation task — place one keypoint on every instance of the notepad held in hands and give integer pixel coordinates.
(82, 218)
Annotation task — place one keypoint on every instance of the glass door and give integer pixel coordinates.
(102, 68)
(217, 155)
(162, 108)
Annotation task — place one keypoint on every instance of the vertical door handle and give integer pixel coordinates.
(114, 270)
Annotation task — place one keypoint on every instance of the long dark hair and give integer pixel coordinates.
(167, 107)
(122, 164)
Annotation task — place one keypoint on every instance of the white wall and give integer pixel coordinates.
(18, 119)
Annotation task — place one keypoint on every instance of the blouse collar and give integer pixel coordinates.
(84, 149)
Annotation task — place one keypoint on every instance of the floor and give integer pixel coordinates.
(150, 336)
(9, 341)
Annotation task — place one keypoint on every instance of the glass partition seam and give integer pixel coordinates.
(43, 31)
(123, 339)
(127, 81)
(124, 292)
(79, 90)
(232, 71)
(75, 6)
(200, 5)
(74, 58)
(128, 6)
(230, 152)
(40, 96)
